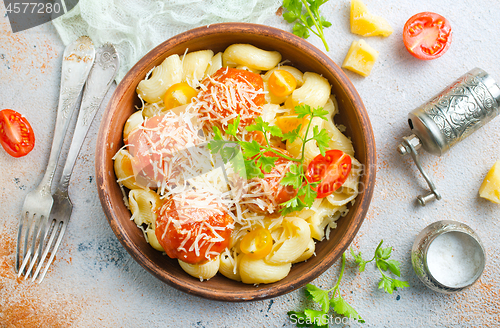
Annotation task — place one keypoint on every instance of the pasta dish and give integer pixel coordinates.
(234, 165)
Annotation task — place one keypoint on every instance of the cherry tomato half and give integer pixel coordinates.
(257, 243)
(16, 134)
(330, 171)
(179, 94)
(282, 83)
(427, 35)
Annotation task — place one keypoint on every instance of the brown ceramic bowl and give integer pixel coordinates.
(217, 37)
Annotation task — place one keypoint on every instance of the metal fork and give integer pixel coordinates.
(77, 61)
(99, 81)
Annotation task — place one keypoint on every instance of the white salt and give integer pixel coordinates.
(454, 259)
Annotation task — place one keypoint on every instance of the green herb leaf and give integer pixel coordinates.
(343, 308)
(252, 171)
(322, 138)
(384, 253)
(386, 284)
(318, 318)
(400, 283)
(232, 128)
(393, 265)
(250, 149)
(292, 135)
(320, 112)
(311, 20)
(383, 263)
(303, 110)
(266, 163)
(319, 296)
(291, 179)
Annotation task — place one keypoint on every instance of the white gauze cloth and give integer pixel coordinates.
(135, 27)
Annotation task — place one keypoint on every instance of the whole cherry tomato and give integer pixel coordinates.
(16, 134)
(427, 35)
(257, 243)
(331, 171)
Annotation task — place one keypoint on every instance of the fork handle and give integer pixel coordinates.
(98, 83)
(77, 61)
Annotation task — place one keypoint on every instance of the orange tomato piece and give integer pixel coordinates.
(282, 83)
(257, 243)
(179, 94)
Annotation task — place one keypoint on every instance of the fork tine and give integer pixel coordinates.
(33, 235)
(59, 230)
(26, 255)
(41, 240)
(19, 239)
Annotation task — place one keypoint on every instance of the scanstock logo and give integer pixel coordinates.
(27, 14)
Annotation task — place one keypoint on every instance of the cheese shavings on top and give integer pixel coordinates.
(194, 226)
(228, 93)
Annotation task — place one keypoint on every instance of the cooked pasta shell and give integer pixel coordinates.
(132, 122)
(162, 77)
(337, 139)
(323, 215)
(246, 68)
(202, 271)
(292, 243)
(311, 247)
(194, 65)
(269, 112)
(250, 56)
(215, 64)
(314, 92)
(143, 205)
(229, 267)
(153, 241)
(254, 271)
(332, 107)
(123, 169)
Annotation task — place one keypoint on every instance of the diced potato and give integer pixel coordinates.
(365, 23)
(360, 58)
(490, 188)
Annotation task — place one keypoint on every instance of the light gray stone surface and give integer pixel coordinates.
(95, 283)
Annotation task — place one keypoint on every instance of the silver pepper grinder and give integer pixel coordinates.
(459, 110)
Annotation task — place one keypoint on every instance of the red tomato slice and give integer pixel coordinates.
(427, 35)
(330, 171)
(16, 134)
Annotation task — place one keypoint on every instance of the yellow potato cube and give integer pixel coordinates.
(360, 58)
(365, 23)
(490, 188)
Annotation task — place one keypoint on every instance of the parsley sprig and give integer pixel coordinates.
(305, 22)
(381, 258)
(260, 158)
(320, 318)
